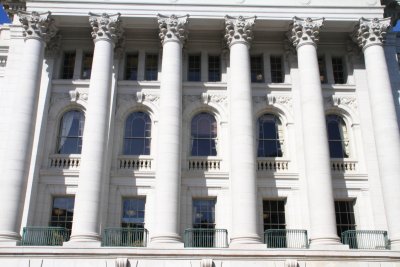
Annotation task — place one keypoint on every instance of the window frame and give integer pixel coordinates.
(341, 227)
(273, 70)
(71, 72)
(85, 67)
(79, 137)
(56, 223)
(150, 71)
(336, 71)
(208, 225)
(256, 71)
(127, 224)
(271, 225)
(145, 138)
(126, 69)
(213, 69)
(279, 134)
(343, 131)
(213, 152)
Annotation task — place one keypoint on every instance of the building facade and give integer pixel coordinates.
(170, 133)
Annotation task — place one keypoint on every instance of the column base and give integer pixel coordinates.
(84, 241)
(328, 243)
(166, 241)
(247, 242)
(9, 239)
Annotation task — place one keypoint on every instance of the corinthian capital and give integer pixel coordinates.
(304, 31)
(239, 29)
(38, 25)
(106, 26)
(370, 31)
(173, 28)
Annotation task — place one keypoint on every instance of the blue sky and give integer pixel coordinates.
(4, 18)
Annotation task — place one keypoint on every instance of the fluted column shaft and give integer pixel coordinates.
(86, 223)
(39, 29)
(168, 169)
(369, 34)
(304, 35)
(242, 150)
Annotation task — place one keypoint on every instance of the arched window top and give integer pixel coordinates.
(270, 136)
(204, 135)
(337, 136)
(137, 135)
(70, 132)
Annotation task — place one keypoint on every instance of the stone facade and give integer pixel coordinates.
(298, 61)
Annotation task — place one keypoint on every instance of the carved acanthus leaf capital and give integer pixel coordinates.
(370, 32)
(304, 31)
(38, 25)
(173, 28)
(106, 26)
(239, 29)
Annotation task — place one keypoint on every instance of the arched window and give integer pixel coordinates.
(137, 136)
(71, 132)
(204, 135)
(337, 137)
(270, 139)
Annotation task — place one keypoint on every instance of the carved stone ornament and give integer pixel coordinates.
(106, 26)
(71, 96)
(206, 98)
(53, 47)
(139, 97)
(239, 29)
(348, 101)
(304, 31)
(370, 32)
(173, 28)
(38, 25)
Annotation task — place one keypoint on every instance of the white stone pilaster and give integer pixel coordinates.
(86, 225)
(168, 171)
(38, 29)
(242, 144)
(304, 36)
(369, 34)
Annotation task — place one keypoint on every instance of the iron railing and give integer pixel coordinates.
(206, 238)
(125, 237)
(44, 236)
(286, 238)
(365, 239)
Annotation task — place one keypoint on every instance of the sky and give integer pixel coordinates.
(4, 19)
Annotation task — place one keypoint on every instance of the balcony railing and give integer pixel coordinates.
(125, 237)
(44, 236)
(343, 165)
(67, 161)
(206, 238)
(204, 164)
(138, 163)
(272, 164)
(286, 238)
(365, 239)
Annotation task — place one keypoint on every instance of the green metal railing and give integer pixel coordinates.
(44, 236)
(125, 237)
(365, 239)
(206, 238)
(286, 238)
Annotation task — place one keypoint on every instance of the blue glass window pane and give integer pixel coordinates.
(71, 132)
(269, 144)
(204, 134)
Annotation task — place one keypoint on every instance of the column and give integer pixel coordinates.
(304, 37)
(38, 29)
(369, 34)
(242, 172)
(168, 168)
(86, 226)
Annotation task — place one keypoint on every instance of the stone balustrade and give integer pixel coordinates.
(343, 165)
(70, 161)
(139, 163)
(272, 165)
(204, 164)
